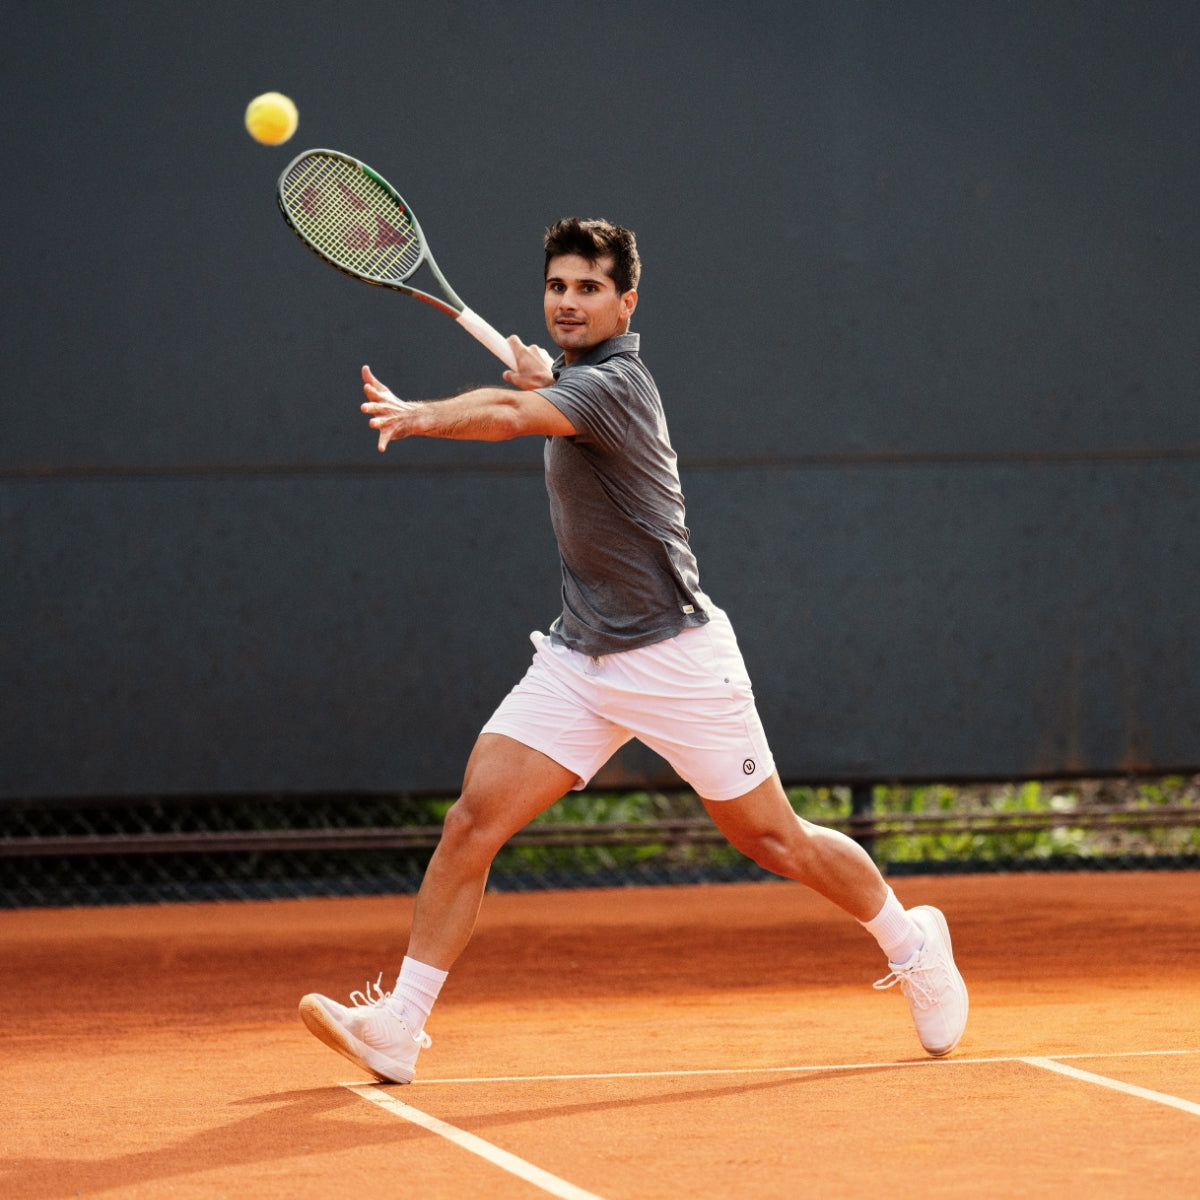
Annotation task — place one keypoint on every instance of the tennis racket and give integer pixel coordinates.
(356, 221)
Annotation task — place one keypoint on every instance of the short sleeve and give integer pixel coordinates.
(590, 398)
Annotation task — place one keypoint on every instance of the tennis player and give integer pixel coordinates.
(639, 650)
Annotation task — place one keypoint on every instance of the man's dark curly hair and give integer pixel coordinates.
(594, 240)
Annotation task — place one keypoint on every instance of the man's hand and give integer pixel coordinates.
(533, 366)
(393, 417)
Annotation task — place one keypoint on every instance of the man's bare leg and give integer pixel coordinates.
(506, 785)
(764, 827)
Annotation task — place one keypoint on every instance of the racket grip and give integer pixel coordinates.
(475, 325)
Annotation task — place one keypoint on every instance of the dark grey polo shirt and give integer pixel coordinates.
(629, 576)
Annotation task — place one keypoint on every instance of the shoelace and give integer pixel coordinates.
(914, 982)
(366, 1000)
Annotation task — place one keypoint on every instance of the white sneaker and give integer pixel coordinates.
(372, 1033)
(930, 981)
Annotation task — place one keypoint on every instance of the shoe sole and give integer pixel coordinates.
(325, 1029)
(940, 919)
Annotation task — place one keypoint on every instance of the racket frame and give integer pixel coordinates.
(452, 304)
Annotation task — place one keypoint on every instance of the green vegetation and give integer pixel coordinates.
(630, 809)
(1033, 822)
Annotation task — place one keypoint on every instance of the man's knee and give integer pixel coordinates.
(765, 846)
(466, 831)
(783, 849)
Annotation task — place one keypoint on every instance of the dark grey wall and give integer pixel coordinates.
(922, 294)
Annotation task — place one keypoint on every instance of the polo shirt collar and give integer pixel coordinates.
(622, 343)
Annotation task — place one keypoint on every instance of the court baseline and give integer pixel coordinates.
(933, 1063)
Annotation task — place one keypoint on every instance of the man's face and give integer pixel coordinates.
(583, 307)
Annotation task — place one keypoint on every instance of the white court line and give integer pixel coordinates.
(1130, 1089)
(794, 1070)
(476, 1145)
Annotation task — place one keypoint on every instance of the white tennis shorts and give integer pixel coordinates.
(689, 699)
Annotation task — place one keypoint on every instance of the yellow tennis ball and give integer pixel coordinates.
(271, 118)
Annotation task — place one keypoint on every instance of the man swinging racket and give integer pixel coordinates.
(638, 651)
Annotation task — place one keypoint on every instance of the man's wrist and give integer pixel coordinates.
(424, 417)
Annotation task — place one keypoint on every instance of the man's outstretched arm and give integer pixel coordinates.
(489, 414)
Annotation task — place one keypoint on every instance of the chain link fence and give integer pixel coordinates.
(162, 849)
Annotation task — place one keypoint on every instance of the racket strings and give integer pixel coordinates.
(350, 218)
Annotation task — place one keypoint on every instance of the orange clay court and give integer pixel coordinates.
(718, 1041)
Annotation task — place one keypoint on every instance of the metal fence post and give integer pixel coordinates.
(862, 804)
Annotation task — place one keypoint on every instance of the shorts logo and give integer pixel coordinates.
(748, 766)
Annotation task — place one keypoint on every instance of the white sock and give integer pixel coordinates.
(417, 989)
(898, 935)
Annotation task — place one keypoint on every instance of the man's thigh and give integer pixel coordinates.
(507, 784)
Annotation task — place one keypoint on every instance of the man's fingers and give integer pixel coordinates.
(378, 392)
(383, 406)
(387, 403)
